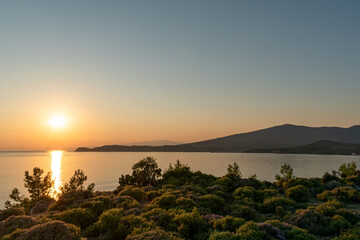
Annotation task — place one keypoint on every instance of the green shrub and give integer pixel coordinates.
(270, 204)
(246, 192)
(78, 216)
(178, 175)
(312, 221)
(299, 234)
(352, 217)
(69, 199)
(338, 224)
(329, 208)
(227, 223)
(351, 234)
(244, 212)
(110, 219)
(347, 170)
(185, 203)
(298, 193)
(190, 225)
(165, 201)
(96, 207)
(151, 195)
(136, 224)
(136, 193)
(13, 211)
(250, 231)
(223, 236)
(346, 194)
(159, 216)
(156, 234)
(327, 177)
(211, 201)
(268, 193)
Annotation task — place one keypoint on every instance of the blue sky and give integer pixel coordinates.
(178, 70)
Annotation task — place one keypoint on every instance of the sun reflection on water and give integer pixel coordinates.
(56, 172)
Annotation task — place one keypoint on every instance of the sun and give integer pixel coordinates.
(58, 121)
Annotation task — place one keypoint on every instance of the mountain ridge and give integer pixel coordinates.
(281, 136)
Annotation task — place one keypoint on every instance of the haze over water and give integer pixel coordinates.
(104, 169)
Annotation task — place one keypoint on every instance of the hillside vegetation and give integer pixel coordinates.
(320, 147)
(179, 203)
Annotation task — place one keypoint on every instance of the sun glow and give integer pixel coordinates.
(58, 121)
(56, 172)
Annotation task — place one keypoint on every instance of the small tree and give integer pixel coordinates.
(37, 185)
(234, 170)
(286, 172)
(146, 172)
(347, 170)
(76, 182)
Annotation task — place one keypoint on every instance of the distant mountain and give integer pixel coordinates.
(320, 147)
(283, 136)
(154, 143)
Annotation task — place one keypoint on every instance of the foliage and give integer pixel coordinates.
(298, 193)
(78, 216)
(312, 221)
(227, 223)
(76, 182)
(351, 234)
(190, 225)
(223, 236)
(346, 194)
(12, 211)
(146, 172)
(234, 170)
(347, 170)
(179, 174)
(212, 201)
(136, 193)
(286, 173)
(270, 204)
(165, 201)
(250, 231)
(37, 185)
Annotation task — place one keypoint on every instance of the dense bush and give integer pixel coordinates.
(165, 201)
(223, 236)
(159, 216)
(250, 231)
(185, 203)
(227, 223)
(312, 221)
(13, 211)
(247, 193)
(190, 225)
(78, 216)
(346, 194)
(212, 201)
(136, 193)
(270, 204)
(298, 193)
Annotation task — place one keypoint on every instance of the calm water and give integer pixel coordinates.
(104, 169)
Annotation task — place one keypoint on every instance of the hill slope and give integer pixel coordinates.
(283, 136)
(320, 147)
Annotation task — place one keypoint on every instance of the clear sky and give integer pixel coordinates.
(128, 71)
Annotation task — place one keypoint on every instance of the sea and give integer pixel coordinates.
(105, 168)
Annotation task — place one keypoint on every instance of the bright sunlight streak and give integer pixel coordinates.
(58, 121)
(56, 172)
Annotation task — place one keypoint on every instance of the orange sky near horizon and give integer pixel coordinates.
(30, 129)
